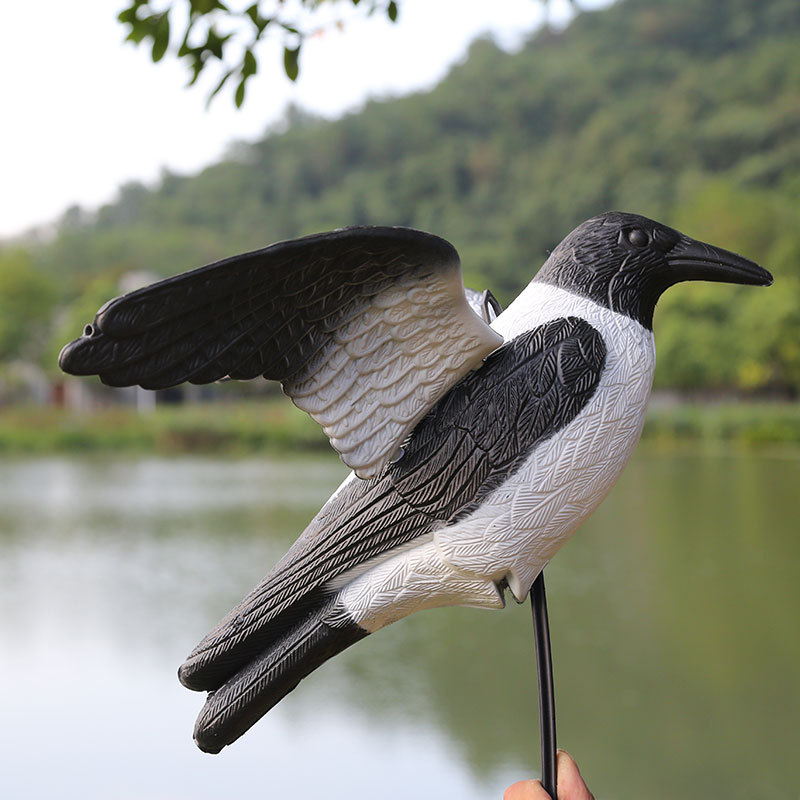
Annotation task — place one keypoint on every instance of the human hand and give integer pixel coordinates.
(569, 781)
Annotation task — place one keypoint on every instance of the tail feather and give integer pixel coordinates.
(245, 697)
(236, 641)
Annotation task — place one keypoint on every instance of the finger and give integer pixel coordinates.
(526, 790)
(570, 782)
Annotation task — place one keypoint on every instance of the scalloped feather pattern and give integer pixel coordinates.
(387, 366)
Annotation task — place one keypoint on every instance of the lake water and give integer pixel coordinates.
(676, 638)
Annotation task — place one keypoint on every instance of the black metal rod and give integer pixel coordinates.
(544, 668)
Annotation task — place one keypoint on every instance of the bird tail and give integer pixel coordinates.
(249, 693)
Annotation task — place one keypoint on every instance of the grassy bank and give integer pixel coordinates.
(210, 428)
(748, 424)
(276, 425)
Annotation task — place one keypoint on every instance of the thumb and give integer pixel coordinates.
(526, 790)
(570, 782)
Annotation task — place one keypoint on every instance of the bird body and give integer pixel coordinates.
(472, 464)
(520, 525)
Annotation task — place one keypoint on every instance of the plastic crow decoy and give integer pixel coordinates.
(476, 449)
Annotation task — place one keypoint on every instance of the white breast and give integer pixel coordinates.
(522, 523)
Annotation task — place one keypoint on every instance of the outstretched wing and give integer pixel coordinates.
(365, 327)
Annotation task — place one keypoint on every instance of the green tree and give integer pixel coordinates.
(27, 298)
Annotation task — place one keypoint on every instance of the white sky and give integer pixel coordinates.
(84, 111)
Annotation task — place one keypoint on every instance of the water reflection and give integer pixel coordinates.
(674, 617)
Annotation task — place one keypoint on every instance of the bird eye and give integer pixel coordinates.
(638, 238)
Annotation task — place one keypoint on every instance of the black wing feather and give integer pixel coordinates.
(266, 312)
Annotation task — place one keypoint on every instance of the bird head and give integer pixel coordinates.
(625, 261)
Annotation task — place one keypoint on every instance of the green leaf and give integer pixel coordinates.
(239, 98)
(249, 66)
(290, 62)
(185, 49)
(197, 67)
(161, 36)
(256, 18)
(137, 33)
(127, 16)
(252, 12)
(391, 11)
(218, 87)
(215, 42)
(203, 7)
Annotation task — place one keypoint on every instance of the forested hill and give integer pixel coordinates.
(684, 110)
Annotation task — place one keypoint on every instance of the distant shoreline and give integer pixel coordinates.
(276, 426)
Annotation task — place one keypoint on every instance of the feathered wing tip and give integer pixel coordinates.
(239, 703)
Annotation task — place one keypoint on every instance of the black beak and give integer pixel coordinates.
(691, 260)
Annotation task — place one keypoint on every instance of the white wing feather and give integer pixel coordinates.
(390, 365)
